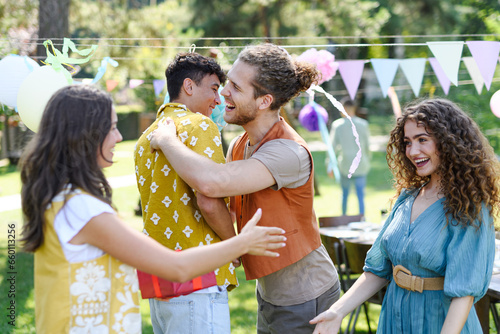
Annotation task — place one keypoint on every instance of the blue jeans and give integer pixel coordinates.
(360, 183)
(196, 313)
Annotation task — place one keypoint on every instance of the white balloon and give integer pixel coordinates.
(34, 93)
(13, 70)
(495, 103)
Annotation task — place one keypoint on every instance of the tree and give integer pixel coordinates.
(53, 21)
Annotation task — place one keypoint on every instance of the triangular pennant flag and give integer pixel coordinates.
(485, 53)
(111, 84)
(442, 78)
(135, 83)
(385, 70)
(474, 73)
(351, 72)
(158, 85)
(413, 69)
(448, 55)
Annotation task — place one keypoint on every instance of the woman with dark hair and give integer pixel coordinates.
(80, 244)
(437, 247)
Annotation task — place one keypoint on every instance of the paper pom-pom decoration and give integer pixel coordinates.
(324, 60)
(495, 103)
(308, 116)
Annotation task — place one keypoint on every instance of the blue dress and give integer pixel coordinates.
(429, 247)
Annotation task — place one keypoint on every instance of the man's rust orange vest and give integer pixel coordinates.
(290, 209)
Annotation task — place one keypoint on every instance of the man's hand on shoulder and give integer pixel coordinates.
(165, 132)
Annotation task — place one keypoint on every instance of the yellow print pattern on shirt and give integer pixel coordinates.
(170, 212)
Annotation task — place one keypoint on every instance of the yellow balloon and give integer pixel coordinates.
(34, 93)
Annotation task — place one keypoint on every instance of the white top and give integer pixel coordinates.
(73, 216)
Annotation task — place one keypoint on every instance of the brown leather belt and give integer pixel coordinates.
(406, 280)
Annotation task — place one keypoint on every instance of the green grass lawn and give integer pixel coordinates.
(243, 304)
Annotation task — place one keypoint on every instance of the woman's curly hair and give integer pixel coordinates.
(469, 169)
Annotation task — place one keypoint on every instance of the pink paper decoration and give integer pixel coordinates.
(324, 60)
(485, 53)
(442, 78)
(133, 83)
(351, 72)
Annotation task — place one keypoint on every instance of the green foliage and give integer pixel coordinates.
(155, 34)
(18, 21)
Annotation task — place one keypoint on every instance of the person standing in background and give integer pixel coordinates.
(345, 147)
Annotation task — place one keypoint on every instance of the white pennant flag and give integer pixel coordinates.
(474, 73)
(413, 69)
(448, 55)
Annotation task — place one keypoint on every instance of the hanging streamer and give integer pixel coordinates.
(340, 107)
(102, 69)
(217, 115)
(58, 58)
(332, 163)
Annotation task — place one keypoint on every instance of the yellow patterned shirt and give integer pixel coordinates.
(169, 209)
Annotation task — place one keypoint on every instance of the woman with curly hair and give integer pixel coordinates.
(437, 247)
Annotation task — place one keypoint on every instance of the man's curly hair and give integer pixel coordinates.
(469, 169)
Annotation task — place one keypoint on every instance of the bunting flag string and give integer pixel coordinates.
(445, 65)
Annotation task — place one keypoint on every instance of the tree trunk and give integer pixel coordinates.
(52, 22)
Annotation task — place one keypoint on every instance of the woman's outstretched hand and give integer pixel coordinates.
(163, 133)
(261, 239)
(327, 322)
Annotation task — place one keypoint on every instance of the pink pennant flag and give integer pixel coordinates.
(442, 78)
(158, 86)
(111, 84)
(485, 53)
(135, 83)
(351, 72)
(448, 55)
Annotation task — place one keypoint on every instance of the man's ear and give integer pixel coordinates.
(265, 101)
(187, 86)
